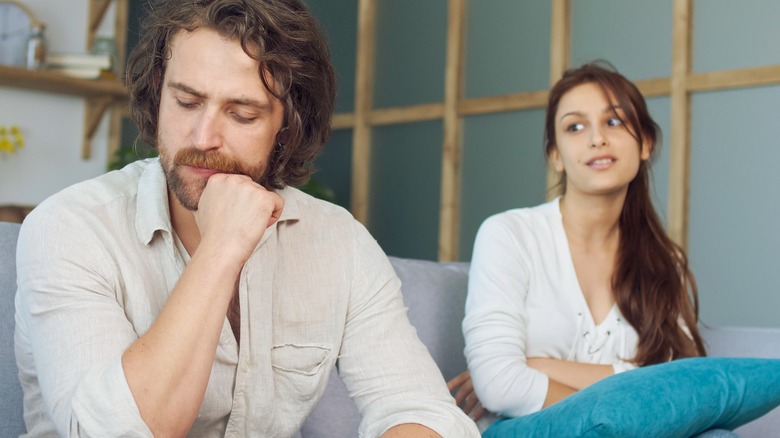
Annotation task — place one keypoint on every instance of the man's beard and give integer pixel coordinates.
(189, 193)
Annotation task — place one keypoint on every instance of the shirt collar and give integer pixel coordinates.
(152, 205)
(292, 208)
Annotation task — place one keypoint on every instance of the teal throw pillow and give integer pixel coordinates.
(682, 398)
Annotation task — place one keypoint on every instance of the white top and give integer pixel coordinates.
(524, 300)
(97, 262)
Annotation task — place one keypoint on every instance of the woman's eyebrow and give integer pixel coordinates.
(571, 113)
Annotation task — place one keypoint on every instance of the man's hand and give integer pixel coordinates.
(466, 398)
(235, 211)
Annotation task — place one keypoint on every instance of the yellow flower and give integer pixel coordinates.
(18, 137)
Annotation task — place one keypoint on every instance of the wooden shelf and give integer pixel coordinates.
(50, 82)
(100, 94)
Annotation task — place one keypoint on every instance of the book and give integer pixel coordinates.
(78, 72)
(80, 60)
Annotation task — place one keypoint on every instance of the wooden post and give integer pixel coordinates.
(560, 48)
(449, 213)
(95, 108)
(679, 143)
(364, 91)
(97, 9)
(120, 42)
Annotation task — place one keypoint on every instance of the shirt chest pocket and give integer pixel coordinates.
(302, 370)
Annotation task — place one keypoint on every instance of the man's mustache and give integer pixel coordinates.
(208, 160)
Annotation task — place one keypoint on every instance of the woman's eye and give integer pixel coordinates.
(614, 121)
(574, 127)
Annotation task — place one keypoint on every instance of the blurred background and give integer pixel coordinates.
(440, 114)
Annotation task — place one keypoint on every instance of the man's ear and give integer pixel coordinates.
(158, 78)
(555, 159)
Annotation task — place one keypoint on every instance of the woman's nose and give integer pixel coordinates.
(597, 139)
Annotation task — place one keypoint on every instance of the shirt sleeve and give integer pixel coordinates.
(75, 326)
(622, 366)
(494, 326)
(388, 371)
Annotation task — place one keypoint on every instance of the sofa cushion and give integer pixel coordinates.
(435, 294)
(11, 421)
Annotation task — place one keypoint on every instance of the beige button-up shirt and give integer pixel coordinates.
(97, 261)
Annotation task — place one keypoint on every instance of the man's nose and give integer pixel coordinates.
(208, 131)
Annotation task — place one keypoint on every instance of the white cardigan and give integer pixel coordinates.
(524, 300)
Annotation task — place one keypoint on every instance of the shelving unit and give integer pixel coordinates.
(100, 94)
(49, 82)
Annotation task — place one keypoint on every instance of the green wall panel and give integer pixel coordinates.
(634, 35)
(734, 238)
(333, 167)
(411, 44)
(339, 21)
(507, 47)
(735, 34)
(503, 167)
(405, 189)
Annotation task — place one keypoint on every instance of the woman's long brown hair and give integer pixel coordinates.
(653, 286)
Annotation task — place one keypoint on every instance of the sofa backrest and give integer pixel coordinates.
(11, 421)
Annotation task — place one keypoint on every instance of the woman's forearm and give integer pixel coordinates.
(575, 375)
(556, 391)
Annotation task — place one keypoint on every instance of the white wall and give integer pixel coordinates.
(52, 125)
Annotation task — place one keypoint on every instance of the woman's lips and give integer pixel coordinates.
(601, 162)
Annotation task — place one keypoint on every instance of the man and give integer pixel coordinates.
(198, 294)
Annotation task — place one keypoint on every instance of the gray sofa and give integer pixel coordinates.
(434, 293)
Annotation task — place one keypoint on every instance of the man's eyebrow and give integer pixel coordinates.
(265, 106)
(189, 90)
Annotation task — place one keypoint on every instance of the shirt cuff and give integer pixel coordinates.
(104, 405)
(620, 367)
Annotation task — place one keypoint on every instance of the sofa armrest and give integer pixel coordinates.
(12, 421)
(747, 342)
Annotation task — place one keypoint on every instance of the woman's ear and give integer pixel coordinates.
(555, 159)
(647, 149)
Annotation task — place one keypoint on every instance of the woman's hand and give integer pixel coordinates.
(465, 397)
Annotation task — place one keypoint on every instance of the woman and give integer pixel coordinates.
(587, 285)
